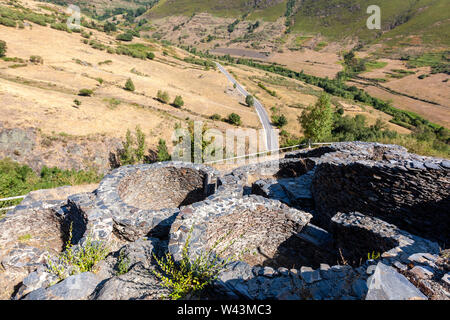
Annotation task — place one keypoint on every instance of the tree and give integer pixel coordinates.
(141, 145)
(2, 48)
(126, 155)
(317, 120)
(280, 121)
(163, 96)
(129, 85)
(250, 101)
(133, 148)
(163, 152)
(234, 118)
(178, 102)
(109, 27)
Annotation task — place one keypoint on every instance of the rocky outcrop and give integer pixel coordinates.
(35, 149)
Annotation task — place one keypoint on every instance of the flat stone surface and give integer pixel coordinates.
(77, 287)
(388, 284)
(138, 284)
(446, 278)
(422, 272)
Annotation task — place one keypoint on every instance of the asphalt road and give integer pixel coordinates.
(270, 133)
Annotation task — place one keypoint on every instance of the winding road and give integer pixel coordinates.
(271, 135)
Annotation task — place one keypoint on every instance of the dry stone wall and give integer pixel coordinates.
(407, 190)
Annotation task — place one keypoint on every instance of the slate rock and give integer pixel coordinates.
(77, 287)
(388, 284)
(139, 283)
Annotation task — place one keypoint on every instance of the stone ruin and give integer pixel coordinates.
(349, 221)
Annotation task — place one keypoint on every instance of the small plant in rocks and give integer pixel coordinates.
(78, 259)
(123, 265)
(191, 276)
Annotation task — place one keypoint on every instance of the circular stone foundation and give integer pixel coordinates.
(164, 188)
(145, 199)
(260, 231)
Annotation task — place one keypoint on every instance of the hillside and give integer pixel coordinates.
(337, 19)
(52, 78)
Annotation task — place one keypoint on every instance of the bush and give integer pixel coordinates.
(215, 116)
(163, 96)
(279, 121)
(234, 118)
(79, 259)
(125, 37)
(163, 152)
(7, 22)
(178, 102)
(77, 102)
(150, 55)
(108, 27)
(36, 59)
(250, 101)
(60, 26)
(129, 85)
(2, 48)
(17, 179)
(191, 276)
(85, 92)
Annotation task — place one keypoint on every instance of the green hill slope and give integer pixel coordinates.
(426, 20)
(223, 8)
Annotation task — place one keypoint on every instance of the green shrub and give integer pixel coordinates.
(7, 22)
(39, 19)
(60, 26)
(108, 27)
(123, 265)
(85, 92)
(125, 37)
(129, 85)
(250, 101)
(2, 48)
(234, 118)
(150, 55)
(178, 102)
(74, 260)
(108, 62)
(17, 179)
(192, 275)
(215, 116)
(162, 151)
(36, 60)
(279, 121)
(163, 96)
(77, 102)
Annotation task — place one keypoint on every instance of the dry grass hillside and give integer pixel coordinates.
(42, 95)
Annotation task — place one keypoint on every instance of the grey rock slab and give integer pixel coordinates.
(139, 283)
(422, 272)
(77, 287)
(446, 278)
(388, 284)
